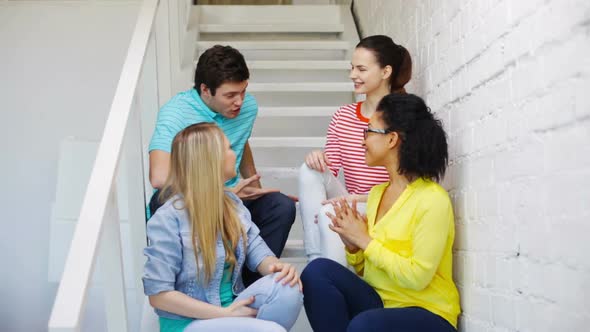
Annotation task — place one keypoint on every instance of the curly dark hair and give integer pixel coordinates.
(218, 65)
(423, 151)
(388, 53)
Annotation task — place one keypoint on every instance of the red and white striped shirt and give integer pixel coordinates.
(344, 149)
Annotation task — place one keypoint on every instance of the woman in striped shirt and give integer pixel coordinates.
(378, 67)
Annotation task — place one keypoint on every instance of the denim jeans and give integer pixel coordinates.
(278, 308)
(338, 300)
(319, 239)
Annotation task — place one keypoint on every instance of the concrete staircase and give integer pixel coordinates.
(298, 56)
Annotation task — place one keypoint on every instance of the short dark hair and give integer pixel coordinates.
(423, 151)
(218, 65)
(388, 53)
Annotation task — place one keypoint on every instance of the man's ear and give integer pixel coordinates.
(205, 91)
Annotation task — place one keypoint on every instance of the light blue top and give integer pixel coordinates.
(187, 108)
(171, 263)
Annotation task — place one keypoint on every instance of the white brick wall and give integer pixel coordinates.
(510, 79)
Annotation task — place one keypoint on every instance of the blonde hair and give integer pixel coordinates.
(196, 173)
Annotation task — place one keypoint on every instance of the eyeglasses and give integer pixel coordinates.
(366, 131)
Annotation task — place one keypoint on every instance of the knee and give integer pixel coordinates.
(361, 322)
(287, 294)
(284, 208)
(315, 270)
(308, 175)
(268, 326)
(323, 219)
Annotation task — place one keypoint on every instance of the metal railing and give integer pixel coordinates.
(98, 227)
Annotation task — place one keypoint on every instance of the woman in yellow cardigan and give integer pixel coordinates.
(402, 249)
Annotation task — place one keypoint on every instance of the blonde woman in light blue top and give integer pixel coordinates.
(200, 240)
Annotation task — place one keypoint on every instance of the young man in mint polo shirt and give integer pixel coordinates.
(220, 96)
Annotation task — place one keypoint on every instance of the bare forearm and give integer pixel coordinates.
(264, 267)
(159, 168)
(184, 305)
(247, 167)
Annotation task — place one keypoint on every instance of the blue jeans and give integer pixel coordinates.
(336, 299)
(278, 308)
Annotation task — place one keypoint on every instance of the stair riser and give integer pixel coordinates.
(290, 126)
(297, 75)
(269, 15)
(287, 99)
(295, 54)
(287, 185)
(280, 156)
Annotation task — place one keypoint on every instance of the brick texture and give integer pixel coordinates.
(510, 80)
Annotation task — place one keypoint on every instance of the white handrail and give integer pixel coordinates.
(71, 295)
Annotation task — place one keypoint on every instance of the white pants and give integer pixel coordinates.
(319, 239)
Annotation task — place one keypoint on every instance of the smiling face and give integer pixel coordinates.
(228, 98)
(366, 72)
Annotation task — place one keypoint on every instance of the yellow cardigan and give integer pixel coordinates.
(409, 262)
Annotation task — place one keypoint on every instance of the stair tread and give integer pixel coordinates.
(302, 86)
(308, 111)
(278, 45)
(294, 250)
(271, 28)
(265, 142)
(297, 64)
(300, 64)
(282, 172)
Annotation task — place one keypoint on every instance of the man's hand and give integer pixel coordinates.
(246, 192)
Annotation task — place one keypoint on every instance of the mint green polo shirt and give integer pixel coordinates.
(187, 108)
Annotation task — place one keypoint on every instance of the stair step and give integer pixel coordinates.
(267, 14)
(300, 64)
(302, 87)
(279, 156)
(288, 126)
(271, 28)
(287, 142)
(284, 178)
(279, 172)
(294, 249)
(277, 45)
(310, 111)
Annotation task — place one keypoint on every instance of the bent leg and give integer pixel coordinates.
(311, 194)
(333, 295)
(412, 319)
(274, 215)
(274, 301)
(242, 324)
(330, 243)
